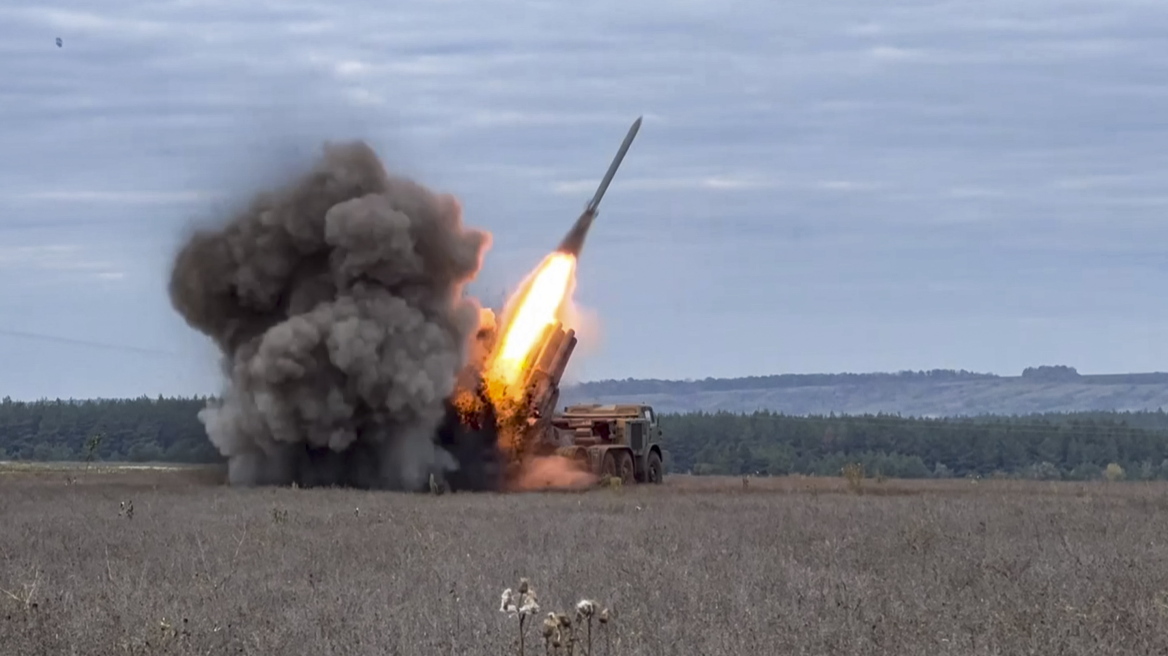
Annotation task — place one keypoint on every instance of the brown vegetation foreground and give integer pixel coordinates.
(785, 566)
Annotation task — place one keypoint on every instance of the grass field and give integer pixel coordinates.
(697, 566)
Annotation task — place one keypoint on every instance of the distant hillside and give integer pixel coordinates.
(938, 393)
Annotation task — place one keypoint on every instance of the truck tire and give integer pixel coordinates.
(628, 472)
(608, 465)
(580, 458)
(656, 473)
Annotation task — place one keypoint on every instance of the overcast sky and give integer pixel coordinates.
(817, 186)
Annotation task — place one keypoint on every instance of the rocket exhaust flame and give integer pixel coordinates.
(540, 303)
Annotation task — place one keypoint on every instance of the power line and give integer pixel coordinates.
(57, 339)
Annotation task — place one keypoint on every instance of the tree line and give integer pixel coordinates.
(1076, 446)
(1046, 446)
(136, 430)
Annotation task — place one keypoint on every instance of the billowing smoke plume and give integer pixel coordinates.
(338, 305)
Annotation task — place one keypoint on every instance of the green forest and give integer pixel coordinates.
(1076, 446)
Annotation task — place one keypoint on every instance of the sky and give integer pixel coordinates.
(816, 187)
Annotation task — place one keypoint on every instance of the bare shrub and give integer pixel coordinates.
(853, 473)
(1114, 472)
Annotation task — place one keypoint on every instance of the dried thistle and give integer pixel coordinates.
(550, 632)
(604, 618)
(585, 609)
(549, 626)
(567, 632)
(524, 604)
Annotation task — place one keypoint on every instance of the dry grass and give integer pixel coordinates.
(698, 566)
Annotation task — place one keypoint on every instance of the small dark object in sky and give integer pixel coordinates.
(58, 42)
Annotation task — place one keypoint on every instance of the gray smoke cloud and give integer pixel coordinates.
(338, 304)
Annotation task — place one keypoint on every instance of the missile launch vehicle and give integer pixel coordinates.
(613, 441)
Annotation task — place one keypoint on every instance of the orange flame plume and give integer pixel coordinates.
(537, 305)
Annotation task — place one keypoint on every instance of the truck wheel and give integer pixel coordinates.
(628, 472)
(656, 473)
(580, 458)
(608, 465)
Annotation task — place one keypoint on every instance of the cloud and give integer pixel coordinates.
(846, 185)
(892, 53)
(19, 255)
(86, 22)
(70, 259)
(115, 197)
(794, 167)
(975, 192)
(711, 182)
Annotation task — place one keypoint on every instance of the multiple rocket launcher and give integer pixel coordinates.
(554, 348)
